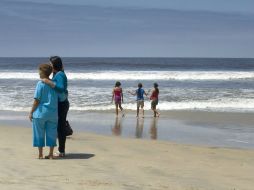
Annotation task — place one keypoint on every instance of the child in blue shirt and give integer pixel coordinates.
(44, 114)
(140, 98)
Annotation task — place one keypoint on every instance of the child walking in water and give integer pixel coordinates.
(155, 99)
(117, 96)
(140, 98)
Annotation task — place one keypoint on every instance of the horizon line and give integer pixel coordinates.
(193, 57)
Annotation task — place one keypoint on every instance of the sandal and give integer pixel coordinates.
(59, 154)
(50, 157)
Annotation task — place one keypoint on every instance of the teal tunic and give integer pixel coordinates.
(60, 81)
(48, 101)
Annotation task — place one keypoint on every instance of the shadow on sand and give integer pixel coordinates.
(78, 156)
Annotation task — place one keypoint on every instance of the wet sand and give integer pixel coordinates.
(212, 129)
(105, 162)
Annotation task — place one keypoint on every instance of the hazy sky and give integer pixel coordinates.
(119, 28)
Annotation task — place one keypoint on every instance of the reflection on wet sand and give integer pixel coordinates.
(117, 129)
(153, 129)
(139, 127)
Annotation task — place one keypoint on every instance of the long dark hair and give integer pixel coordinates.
(56, 63)
(156, 87)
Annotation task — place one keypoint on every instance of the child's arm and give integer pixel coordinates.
(122, 94)
(35, 105)
(112, 96)
(148, 92)
(151, 94)
(135, 93)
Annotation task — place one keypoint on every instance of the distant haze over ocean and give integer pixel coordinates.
(148, 28)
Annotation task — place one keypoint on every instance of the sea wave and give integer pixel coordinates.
(227, 105)
(139, 75)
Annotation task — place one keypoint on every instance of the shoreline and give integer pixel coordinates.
(211, 129)
(101, 162)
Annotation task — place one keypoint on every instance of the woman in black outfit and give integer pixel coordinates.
(59, 82)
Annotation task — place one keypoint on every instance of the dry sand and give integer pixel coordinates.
(101, 163)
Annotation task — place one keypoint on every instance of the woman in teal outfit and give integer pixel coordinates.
(60, 83)
(44, 114)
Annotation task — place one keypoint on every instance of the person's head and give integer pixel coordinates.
(57, 63)
(155, 85)
(140, 85)
(45, 70)
(118, 84)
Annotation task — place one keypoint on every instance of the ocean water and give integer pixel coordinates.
(211, 84)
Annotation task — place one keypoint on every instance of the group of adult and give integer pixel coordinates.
(51, 105)
(50, 108)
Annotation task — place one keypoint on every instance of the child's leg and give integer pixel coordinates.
(156, 113)
(154, 110)
(120, 106)
(137, 110)
(153, 107)
(116, 109)
(142, 107)
(143, 111)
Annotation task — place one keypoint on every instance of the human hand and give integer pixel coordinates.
(45, 80)
(30, 116)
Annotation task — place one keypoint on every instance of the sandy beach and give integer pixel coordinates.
(82, 61)
(104, 162)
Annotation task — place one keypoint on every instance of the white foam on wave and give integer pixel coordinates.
(164, 106)
(139, 75)
(215, 105)
(227, 105)
(15, 108)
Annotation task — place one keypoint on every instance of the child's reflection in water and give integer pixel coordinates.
(117, 129)
(139, 127)
(153, 129)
